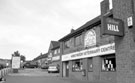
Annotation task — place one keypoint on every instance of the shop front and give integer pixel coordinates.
(96, 63)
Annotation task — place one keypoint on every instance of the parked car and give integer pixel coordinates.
(30, 65)
(53, 69)
(44, 66)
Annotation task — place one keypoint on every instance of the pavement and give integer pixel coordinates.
(38, 76)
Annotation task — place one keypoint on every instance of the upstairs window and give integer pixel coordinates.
(90, 38)
(55, 51)
(67, 44)
(78, 40)
(58, 50)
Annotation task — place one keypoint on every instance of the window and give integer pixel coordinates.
(90, 65)
(90, 38)
(55, 51)
(78, 40)
(109, 63)
(110, 4)
(77, 65)
(67, 44)
(50, 55)
(58, 50)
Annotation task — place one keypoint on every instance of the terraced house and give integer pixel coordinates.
(54, 53)
(103, 49)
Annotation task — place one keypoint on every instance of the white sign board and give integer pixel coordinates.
(97, 51)
(16, 62)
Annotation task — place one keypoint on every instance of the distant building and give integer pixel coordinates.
(41, 59)
(54, 53)
(5, 62)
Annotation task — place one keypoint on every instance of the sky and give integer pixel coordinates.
(28, 26)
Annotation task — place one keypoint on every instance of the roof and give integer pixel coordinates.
(90, 24)
(55, 44)
(41, 56)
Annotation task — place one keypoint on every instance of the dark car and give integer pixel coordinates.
(30, 65)
(44, 66)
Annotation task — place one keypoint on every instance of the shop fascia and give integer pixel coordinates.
(97, 51)
(56, 58)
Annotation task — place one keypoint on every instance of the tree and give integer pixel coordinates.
(16, 54)
(23, 58)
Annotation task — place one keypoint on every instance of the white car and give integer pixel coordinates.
(53, 69)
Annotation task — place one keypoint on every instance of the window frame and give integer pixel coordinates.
(74, 69)
(108, 57)
(76, 38)
(66, 44)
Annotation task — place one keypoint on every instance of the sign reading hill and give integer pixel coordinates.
(112, 26)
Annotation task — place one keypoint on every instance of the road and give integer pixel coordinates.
(37, 76)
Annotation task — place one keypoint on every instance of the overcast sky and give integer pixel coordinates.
(29, 25)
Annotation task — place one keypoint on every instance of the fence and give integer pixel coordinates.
(5, 71)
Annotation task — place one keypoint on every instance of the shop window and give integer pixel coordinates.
(77, 65)
(78, 40)
(90, 65)
(109, 63)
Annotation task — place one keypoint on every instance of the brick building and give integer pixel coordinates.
(86, 54)
(54, 53)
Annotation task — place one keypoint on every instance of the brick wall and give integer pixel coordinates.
(125, 46)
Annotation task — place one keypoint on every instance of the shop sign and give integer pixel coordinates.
(55, 58)
(97, 51)
(90, 38)
(112, 26)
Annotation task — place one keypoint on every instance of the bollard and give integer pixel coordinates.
(7, 70)
(0, 74)
(3, 72)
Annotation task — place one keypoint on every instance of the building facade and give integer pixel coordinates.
(54, 53)
(87, 54)
(41, 59)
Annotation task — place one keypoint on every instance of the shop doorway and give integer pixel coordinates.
(66, 69)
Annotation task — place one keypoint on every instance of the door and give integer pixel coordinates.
(65, 69)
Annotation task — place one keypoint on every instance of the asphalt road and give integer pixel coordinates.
(37, 76)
